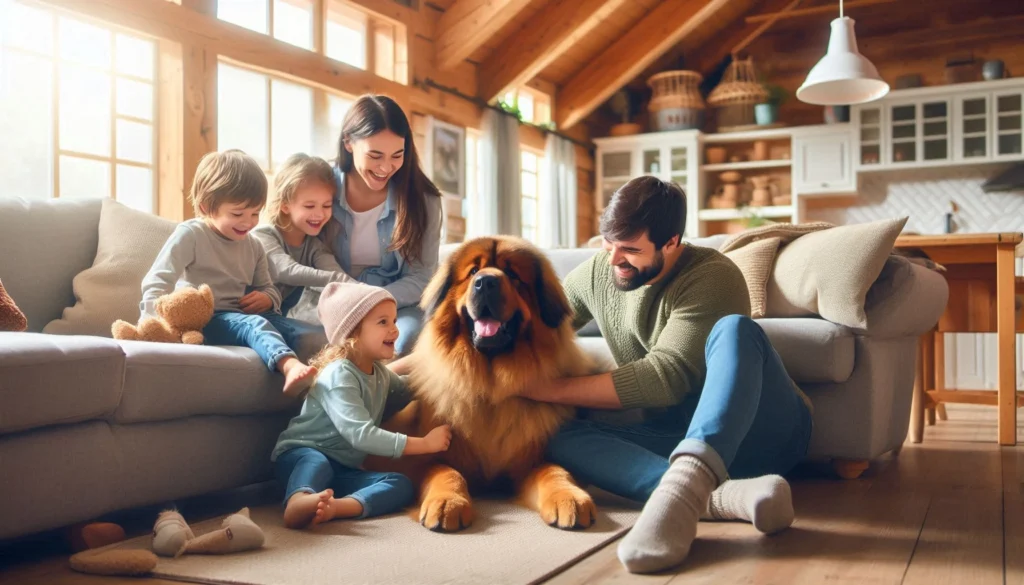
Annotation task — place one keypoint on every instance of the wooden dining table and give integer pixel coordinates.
(982, 288)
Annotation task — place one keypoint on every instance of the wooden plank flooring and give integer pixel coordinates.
(947, 511)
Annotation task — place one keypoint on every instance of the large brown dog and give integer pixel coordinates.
(497, 320)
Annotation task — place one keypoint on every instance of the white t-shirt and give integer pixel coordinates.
(364, 244)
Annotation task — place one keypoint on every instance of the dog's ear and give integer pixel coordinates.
(551, 301)
(437, 289)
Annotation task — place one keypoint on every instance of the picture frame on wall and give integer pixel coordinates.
(446, 157)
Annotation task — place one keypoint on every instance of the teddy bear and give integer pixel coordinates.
(182, 316)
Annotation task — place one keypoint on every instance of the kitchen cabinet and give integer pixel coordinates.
(937, 126)
(823, 160)
(670, 156)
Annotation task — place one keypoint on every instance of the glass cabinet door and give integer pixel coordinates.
(903, 133)
(1009, 116)
(616, 170)
(870, 136)
(651, 162)
(935, 131)
(678, 164)
(974, 127)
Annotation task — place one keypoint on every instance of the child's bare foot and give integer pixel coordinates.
(297, 376)
(302, 508)
(330, 508)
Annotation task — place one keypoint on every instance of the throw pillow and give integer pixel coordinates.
(755, 262)
(828, 272)
(11, 317)
(111, 288)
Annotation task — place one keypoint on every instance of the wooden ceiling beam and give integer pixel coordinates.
(960, 33)
(468, 24)
(707, 57)
(665, 26)
(830, 9)
(543, 39)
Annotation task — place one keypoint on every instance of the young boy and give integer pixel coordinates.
(215, 248)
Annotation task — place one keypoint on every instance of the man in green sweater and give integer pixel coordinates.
(715, 398)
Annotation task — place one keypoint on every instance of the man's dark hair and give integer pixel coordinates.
(645, 204)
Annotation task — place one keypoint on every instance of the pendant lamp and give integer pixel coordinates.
(843, 76)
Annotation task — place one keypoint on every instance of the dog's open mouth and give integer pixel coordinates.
(491, 336)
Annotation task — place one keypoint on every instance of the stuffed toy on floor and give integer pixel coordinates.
(182, 316)
(172, 537)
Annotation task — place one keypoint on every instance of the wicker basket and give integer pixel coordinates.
(676, 103)
(737, 94)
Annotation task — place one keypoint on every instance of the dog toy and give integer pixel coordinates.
(172, 537)
(182, 315)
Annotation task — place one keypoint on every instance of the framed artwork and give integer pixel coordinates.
(446, 149)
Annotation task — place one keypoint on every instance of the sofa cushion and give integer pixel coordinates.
(165, 381)
(828, 272)
(55, 240)
(813, 350)
(111, 289)
(46, 379)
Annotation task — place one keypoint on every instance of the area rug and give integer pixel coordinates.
(507, 544)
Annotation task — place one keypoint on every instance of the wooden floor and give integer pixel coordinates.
(950, 510)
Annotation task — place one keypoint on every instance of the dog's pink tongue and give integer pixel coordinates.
(486, 327)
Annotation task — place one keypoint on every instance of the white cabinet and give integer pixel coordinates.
(670, 156)
(938, 126)
(823, 160)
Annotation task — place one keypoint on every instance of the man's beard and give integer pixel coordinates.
(638, 278)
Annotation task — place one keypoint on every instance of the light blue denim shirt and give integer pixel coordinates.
(404, 280)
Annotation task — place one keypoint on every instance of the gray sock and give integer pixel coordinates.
(765, 501)
(667, 525)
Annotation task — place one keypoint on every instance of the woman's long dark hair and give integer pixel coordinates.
(369, 115)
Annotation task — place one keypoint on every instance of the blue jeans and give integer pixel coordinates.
(271, 335)
(747, 421)
(305, 469)
(410, 323)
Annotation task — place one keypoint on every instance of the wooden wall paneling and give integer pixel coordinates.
(164, 19)
(540, 41)
(467, 24)
(665, 26)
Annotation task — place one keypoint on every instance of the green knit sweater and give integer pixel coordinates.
(657, 332)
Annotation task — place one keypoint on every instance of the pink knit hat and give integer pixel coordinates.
(343, 305)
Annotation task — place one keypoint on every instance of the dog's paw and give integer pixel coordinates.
(449, 513)
(568, 509)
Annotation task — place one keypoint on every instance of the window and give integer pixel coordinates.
(290, 21)
(351, 34)
(530, 179)
(534, 106)
(81, 102)
(366, 40)
(271, 118)
(473, 175)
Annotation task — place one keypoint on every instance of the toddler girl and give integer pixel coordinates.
(296, 212)
(321, 452)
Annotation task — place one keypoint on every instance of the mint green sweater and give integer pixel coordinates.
(342, 413)
(657, 332)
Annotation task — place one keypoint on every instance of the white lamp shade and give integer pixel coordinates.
(843, 76)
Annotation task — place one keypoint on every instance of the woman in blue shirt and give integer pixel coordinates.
(385, 229)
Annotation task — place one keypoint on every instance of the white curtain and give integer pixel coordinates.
(558, 195)
(498, 209)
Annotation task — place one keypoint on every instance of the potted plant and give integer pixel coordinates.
(767, 112)
(625, 104)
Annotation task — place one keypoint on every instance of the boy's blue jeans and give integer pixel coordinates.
(747, 421)
(305, 469)
(271, 335)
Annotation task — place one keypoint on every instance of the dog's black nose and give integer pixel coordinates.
(486, 283)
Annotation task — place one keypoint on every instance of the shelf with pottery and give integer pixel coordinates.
(948, 125)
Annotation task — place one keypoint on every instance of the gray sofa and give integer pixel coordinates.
(90, 425)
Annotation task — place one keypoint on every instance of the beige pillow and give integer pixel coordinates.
(829, 272)
(755, 261)
(111, 288)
